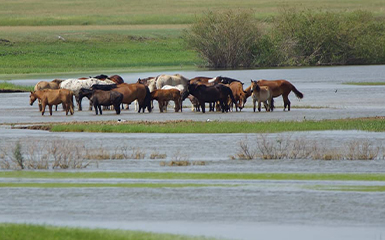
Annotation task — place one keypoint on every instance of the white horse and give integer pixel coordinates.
(262, 94)
(76, 84)
(172, 80)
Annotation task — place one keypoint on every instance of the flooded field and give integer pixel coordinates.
(240, 209)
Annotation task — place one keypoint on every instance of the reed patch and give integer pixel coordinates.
(288, 147)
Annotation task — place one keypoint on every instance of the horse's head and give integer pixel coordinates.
(254, 86)
(32, 98)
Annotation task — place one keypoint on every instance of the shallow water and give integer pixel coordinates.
(242, 210)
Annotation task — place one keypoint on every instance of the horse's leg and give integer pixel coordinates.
(202, 103)
(43, 108)
(40, 105)
(266, 106)
(223, 106)
(160, 103)
(254, 104)
(65, 108)
(117, 108)
(96, 108)
(50, 109)
(259, 106)
(286, 102)
(79, 101)
(71, 107)
(100, 109)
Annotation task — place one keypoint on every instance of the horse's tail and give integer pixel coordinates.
(71, 104)
(147, 99)
(296, 92)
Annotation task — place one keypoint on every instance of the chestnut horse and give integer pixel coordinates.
(135, 91)
(54, 84)
(262, 94)
(281, 87)
(52, 97)
(240, 95)
(210, 94)
(163, 96)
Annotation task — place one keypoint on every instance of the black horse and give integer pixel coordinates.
(100, 98)
(212, 94)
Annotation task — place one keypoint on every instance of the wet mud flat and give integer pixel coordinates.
(235, 209)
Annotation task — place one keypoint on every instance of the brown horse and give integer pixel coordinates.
(54, 84)
(52, 97)
(240, 95)
(262, 94)
(281, 87)
(135, 91)
(163, 96)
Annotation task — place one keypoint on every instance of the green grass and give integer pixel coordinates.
(107, 185)
(365, 83)
(43, 232)
(351, 188)
(195, 176)
(5, 85)
(93, 55)
(363, 124)
(121, 12)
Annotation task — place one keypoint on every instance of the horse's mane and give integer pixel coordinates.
(228, 80)
(101, 76)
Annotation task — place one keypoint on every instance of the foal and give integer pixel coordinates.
(262, 94)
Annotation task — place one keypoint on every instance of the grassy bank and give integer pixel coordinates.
(365, 83)
(6, 86)
(44, 232)
(363, 124)
(195, 176)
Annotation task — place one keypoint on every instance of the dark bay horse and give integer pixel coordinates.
(52, 97)
(281, 87)
(135, 91)
(211, 94)
(100, 98)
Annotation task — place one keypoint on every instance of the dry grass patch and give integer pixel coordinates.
(287, 147)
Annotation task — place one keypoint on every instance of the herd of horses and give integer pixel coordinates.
(221, 93)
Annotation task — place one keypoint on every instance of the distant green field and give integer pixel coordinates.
(111, 36)
(121, 12)
(10, 231)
